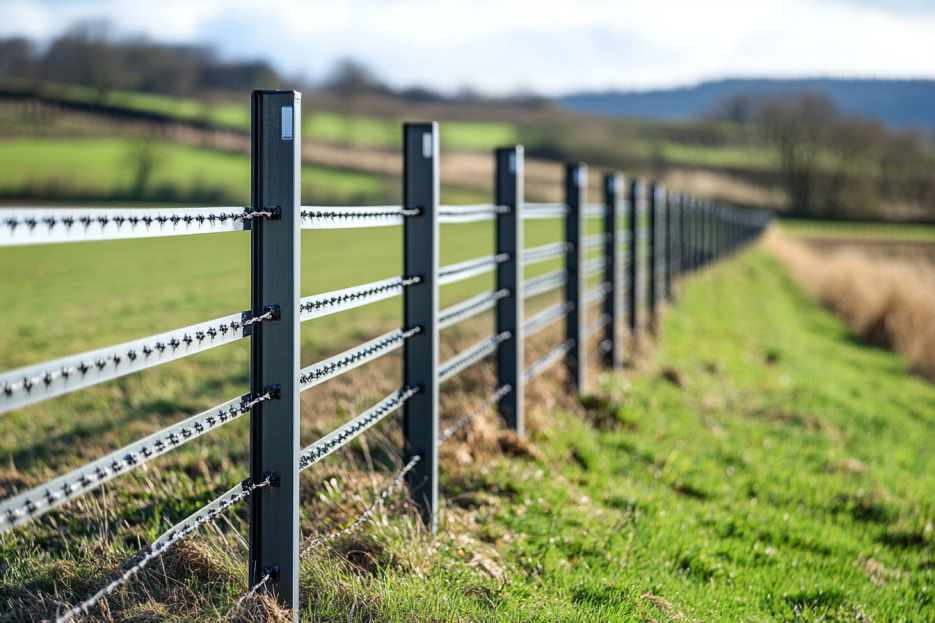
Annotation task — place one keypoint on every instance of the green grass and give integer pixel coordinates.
(791, 477)
(100, 168)
(731, 156)
(226, 115)
(387, 133)
(856, 230)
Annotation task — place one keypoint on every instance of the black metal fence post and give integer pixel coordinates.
(656, 250)
(637, 191)
(694, 236)
(274, 345)
(510, 310)
(420, 309)
(576, 186)
(673, 239)
(613, 190)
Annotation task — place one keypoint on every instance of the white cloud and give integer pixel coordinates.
(544, 45)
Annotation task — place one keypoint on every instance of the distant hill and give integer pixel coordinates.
(898, 103)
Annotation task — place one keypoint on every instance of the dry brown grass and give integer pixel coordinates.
(887, 302)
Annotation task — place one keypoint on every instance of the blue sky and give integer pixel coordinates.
(548, 47)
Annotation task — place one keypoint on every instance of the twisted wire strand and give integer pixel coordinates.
(594, 210)
(596, 240)
(250, 593)
(327, 303)
(546, 252)
(548, 360)
(470, 308)
(467, 419)
(247, 487)
(544, 210)
(596, 295)
(593, 266)
(546, 317)
(334, 440)
(471, 355)
(464, 270)
(318, 373)
(544, 283)
(327, 217)
(362, 519)
(39, 500)
(470, 213)
(38, 382)
(597, 324)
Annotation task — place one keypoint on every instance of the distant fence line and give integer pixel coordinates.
(666, 235)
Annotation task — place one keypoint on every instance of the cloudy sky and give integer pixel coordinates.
(549, 47)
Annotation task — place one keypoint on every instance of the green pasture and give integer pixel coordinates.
(759, 465)
(388, 133)
(738, 156)
(227, 114)
(105, 168)
(857, 230)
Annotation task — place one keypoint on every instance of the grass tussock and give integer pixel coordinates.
(887, 303)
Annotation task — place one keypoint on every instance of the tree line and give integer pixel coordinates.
(91, 54)
(836, 166)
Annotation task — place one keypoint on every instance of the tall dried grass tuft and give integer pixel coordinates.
(887, 303)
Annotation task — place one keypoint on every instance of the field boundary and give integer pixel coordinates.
(667, 235)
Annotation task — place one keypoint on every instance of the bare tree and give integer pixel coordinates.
(87, 54)
(143, 159)
(798, 128)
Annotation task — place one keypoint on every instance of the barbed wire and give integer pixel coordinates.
(141, 350)
(468, 213)
(596, 295)
(543, 283)
(310, 212)
(470, 307)
(455, 269)
(471, 355)
(250, 593)
(546, 252)
(593, 266)
(548, 360)
(596, 240)
(546, 317)
(43, 498)
(147, 219)
(597, 324)
(347, 360)
(329, 443)
(84, 607)
(364, 292)
(467, 419)
(366, 514)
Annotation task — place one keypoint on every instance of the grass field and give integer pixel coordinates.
(759, 464)
(857, 230)
(92, 169)
(384, 132)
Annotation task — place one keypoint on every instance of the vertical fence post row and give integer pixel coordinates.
(420, 309)
(576, 187)
(673, 239)
(656, 245)
(274, 346)
(613, 189)
(693, 237)
(510, 310)
(637, 190)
